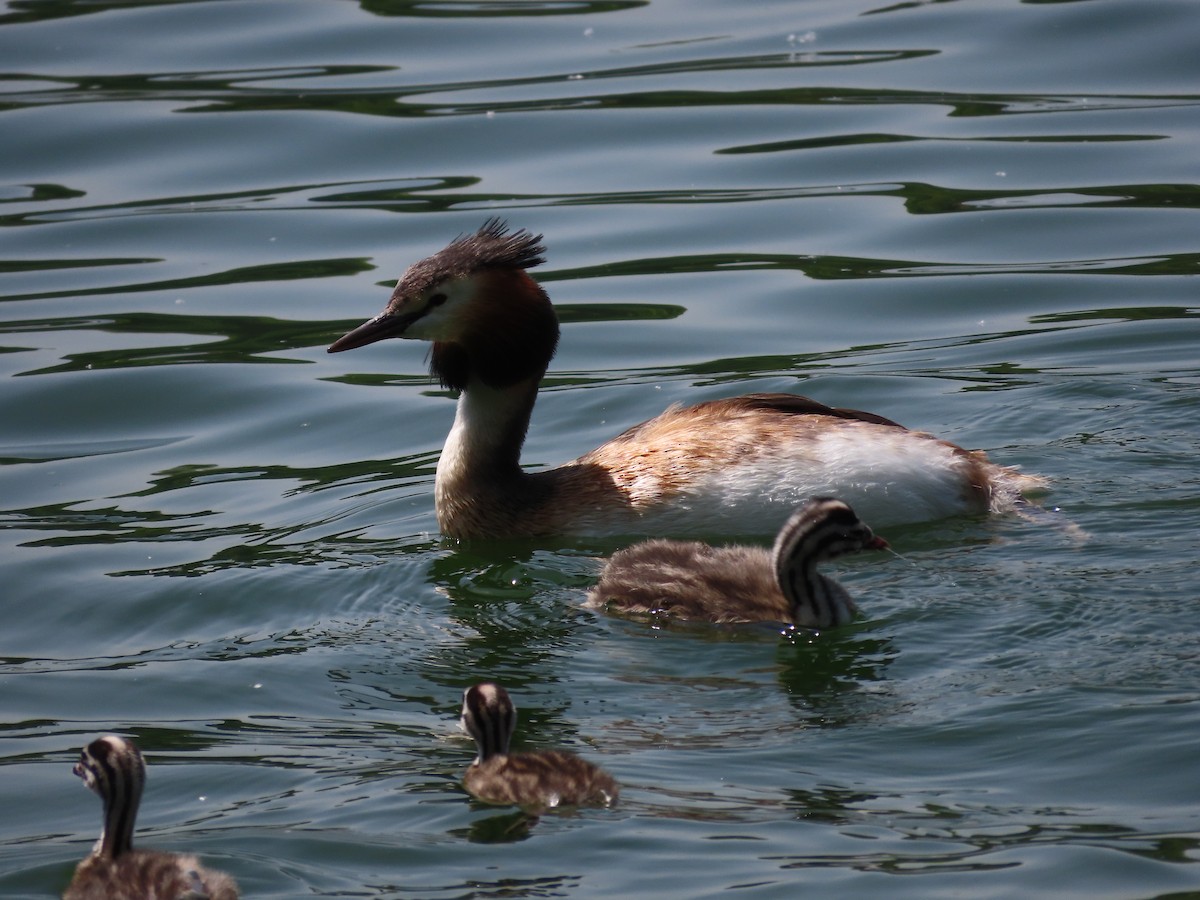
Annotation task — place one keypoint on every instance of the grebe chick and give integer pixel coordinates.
(721, 464)
(113, 768)
(538, 780)
(695, 581)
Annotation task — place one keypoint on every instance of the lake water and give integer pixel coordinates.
(976, 218)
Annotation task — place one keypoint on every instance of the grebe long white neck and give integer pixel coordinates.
(723, 464)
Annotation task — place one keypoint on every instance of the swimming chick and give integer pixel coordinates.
(699, 582)
(113, 768)
(535, 781)
(725, 464)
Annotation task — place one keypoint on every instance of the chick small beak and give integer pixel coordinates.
(877, 543)
(385, 325)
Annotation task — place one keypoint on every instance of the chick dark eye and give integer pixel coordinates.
(437, 300)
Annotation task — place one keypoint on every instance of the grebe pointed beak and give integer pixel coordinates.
(385, 325)
(877, 543)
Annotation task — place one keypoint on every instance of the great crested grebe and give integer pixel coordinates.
(113, 768)
(694, 581)
(727, 464)
(538, 780)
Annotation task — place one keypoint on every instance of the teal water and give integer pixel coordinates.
(976, 218)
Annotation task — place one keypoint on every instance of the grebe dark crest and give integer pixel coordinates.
(113, 767)
(726, 464)
(695, 581)
(538, 780)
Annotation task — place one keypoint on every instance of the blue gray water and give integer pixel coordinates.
(977, 218)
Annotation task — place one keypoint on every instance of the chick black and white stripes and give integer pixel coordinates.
(113, 768)
(689, 580)
(537, 780)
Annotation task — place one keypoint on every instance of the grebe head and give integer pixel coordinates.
(823, 528)
(485, 316)
(111, 765)
(489, 716)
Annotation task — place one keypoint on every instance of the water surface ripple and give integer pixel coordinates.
(976, 218)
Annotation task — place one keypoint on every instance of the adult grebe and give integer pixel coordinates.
(728, 464)
(113, 768)
(695, 581)
(536, 781)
